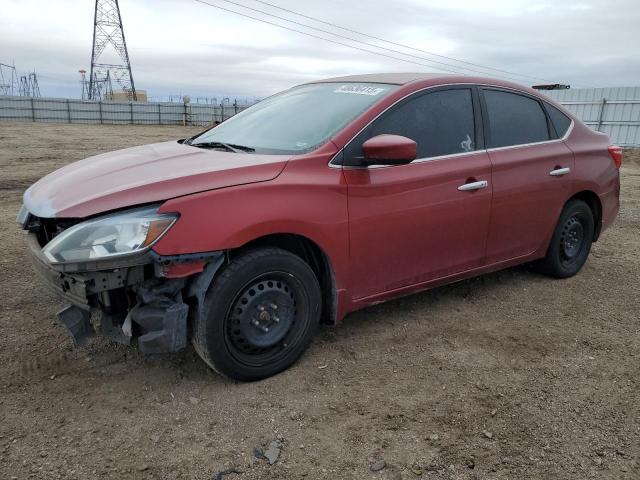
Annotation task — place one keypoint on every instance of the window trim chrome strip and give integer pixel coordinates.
(453, 155)
(520, 145)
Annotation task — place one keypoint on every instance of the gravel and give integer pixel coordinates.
(412, 381)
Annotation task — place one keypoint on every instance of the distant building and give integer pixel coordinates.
(121, 96)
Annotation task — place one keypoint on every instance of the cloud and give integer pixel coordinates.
(181, 46)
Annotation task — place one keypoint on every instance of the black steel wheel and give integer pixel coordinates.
(571, 241)
(261, 313)
(261, 322)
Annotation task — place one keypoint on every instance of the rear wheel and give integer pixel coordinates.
(260, 315)
(571, 241)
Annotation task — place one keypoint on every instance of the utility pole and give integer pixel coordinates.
(108, 30)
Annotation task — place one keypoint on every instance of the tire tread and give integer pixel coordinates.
(200, 338)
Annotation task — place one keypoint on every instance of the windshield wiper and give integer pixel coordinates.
(228, 146)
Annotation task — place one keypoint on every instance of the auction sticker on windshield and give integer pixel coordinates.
(360, 89)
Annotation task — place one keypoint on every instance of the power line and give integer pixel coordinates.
(318, 36)
(361, 41)
(398, 44)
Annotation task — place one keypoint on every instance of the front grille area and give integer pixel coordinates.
(46, 229)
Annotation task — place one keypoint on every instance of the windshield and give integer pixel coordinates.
(297, 120)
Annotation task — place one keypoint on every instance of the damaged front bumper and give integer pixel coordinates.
(145, 297)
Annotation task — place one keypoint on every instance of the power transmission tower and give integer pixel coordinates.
(35, 88)
(102, 87)
(107, 29)
(84, 83)
(8, 80)
(29, 85)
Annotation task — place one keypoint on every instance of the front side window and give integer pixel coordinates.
(514, 119)
(297, 120)
(440, 122)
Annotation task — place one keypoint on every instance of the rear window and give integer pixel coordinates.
(514, 119)
(560, 121)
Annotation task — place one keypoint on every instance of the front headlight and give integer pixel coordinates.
(109, 236)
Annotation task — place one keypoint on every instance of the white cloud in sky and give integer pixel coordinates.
(181, 46)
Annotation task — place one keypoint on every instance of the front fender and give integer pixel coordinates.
(307, 199)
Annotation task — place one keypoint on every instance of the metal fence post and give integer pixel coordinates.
(601, 116)
(33, 111)
(100, 110)
(159, 114)
(68, 111)
(131, 111)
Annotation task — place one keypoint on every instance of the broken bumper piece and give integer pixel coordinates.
(160, 317)
(139, 301)
(160, 325)
(77, 322)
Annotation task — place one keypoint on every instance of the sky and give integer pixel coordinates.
(186, 47)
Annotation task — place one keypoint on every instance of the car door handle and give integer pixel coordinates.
(473, 186)
(559, 171)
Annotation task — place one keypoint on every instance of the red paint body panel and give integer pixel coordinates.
(389, 147)
(595, 170)
(181, 270)
(385, 231)
(527, 200)
(145, 174)
(308, 199)
(410, 224)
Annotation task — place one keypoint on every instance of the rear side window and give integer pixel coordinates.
(560, 121)
(514, 119)
(440, 122)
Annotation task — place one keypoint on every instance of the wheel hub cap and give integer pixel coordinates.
(572, 238)
(262, 315)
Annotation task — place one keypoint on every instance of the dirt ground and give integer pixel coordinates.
(511, 375)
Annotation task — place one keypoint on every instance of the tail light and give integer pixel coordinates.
(616, 155)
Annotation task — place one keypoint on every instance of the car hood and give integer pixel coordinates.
(144, 174)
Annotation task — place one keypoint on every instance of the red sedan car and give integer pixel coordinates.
(318, 201)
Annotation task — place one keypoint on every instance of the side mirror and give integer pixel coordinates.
(389, 150)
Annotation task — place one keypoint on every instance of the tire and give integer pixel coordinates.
(571, 242)
(260, 314)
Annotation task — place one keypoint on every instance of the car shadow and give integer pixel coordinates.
(105, 359)
(395, 311)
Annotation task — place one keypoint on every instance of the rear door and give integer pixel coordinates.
(410, 224)
(531, 173)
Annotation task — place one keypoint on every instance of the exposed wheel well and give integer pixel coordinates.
(313, 255)
(591, 199)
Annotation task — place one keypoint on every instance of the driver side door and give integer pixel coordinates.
(416, 223)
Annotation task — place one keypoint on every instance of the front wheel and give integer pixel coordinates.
(260, 314)
(571, 241)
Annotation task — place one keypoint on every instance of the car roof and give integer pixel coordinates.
(394, 78)
(428, 78)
